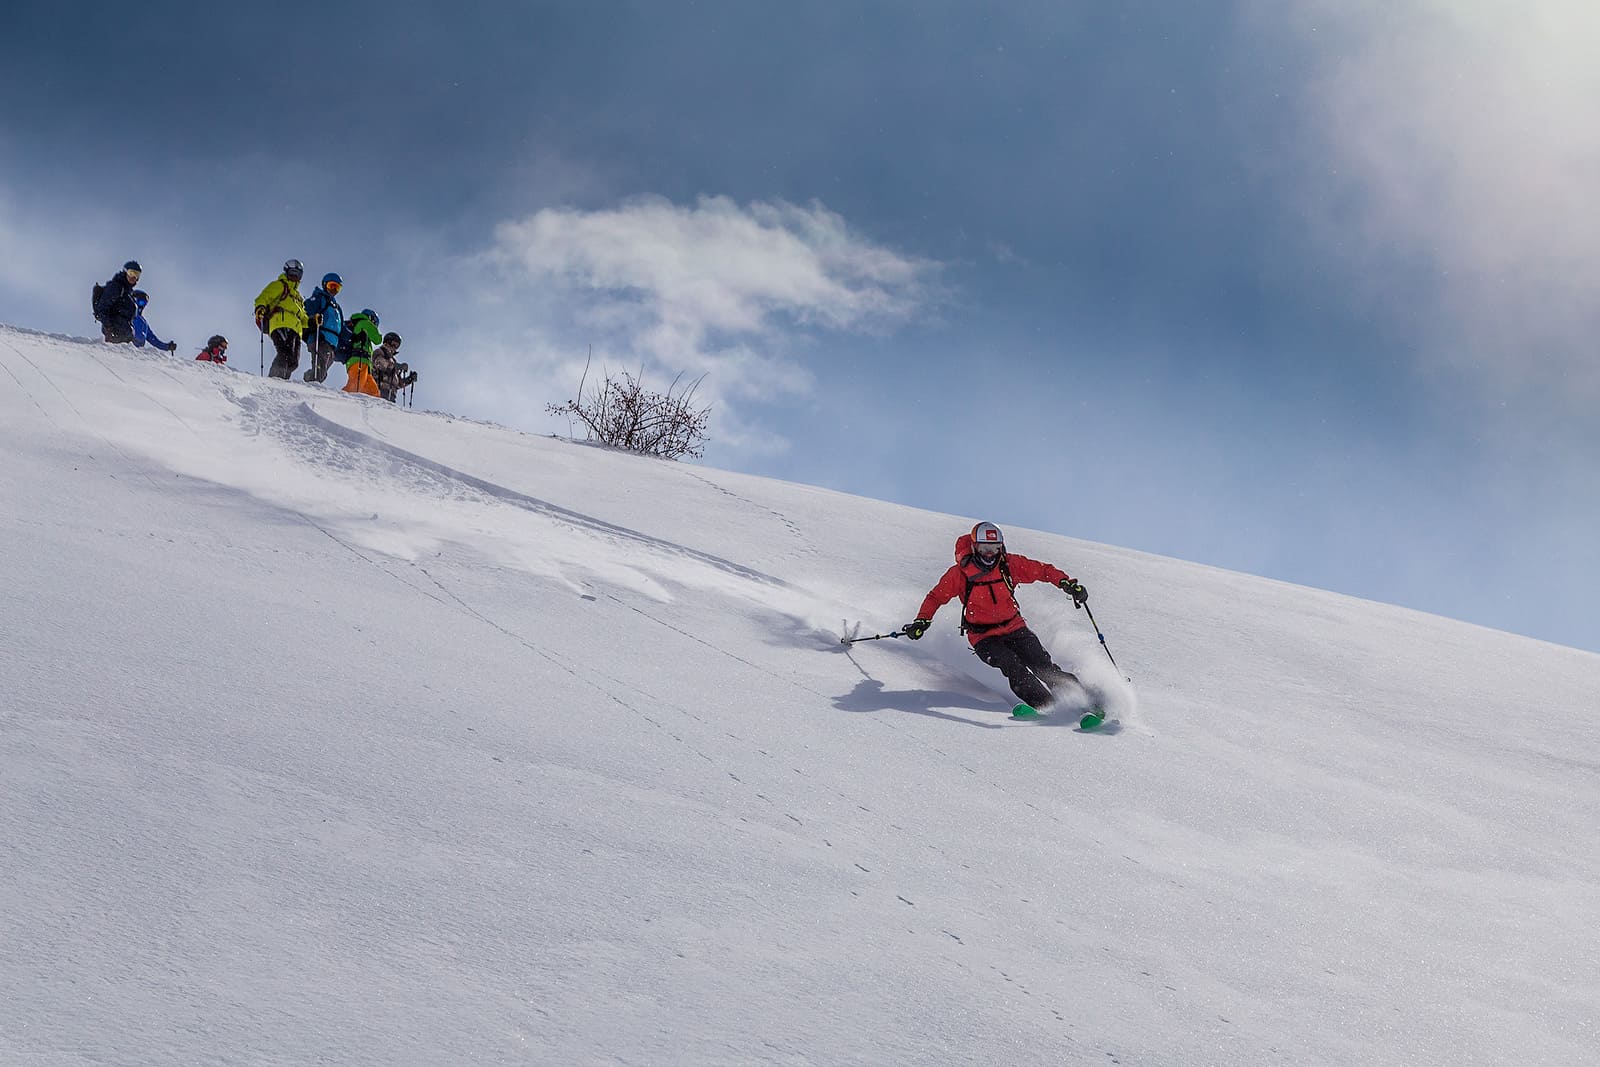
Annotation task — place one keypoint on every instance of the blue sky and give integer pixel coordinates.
(1302, 289)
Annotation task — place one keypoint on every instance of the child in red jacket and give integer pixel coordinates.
(984, 577)
(215, 351)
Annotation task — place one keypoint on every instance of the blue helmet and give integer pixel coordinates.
(332, 277)
(373, 315)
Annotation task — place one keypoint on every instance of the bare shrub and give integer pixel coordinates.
(624, 414)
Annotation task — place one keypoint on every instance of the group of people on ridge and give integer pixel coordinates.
(370, 358)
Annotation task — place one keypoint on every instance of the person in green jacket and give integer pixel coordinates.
(364, 336)
(281, 313)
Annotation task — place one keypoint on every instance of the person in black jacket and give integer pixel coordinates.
(114, 308)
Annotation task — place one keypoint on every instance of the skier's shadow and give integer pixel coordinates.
(870, 695)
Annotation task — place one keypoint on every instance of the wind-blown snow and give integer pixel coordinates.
(335, 732)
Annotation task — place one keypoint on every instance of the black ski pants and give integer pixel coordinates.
(321, 358)
(286, 345)
(1033, 677)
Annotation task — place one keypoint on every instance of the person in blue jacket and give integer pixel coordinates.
(142, 332)
(324, 321)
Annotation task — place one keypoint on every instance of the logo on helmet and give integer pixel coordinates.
(987, 541)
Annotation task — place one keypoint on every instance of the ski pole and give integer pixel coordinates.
(1102, 638)
(316, 347)
(874, 637)
(262, 345)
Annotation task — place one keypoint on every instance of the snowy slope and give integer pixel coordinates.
(334, 732)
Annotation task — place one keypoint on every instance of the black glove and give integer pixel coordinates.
(261, 319)
(172, 346)
(1074, 589)
(916, 628)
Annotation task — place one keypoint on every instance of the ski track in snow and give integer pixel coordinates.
(541, 507)
(351, 457)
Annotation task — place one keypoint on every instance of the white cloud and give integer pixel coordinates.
(1460, 135)
(717, 266)
(718, 289)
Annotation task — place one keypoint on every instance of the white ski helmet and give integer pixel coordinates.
(988, 543)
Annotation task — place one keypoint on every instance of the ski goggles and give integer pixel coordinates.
(133, 275)
(333, 287)
(989, 552)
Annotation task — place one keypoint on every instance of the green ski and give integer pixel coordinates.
(1092, 719)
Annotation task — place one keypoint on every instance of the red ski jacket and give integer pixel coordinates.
(989, 607)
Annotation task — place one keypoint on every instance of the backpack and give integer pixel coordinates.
(94, 305)
(964, 554)
(347, 342)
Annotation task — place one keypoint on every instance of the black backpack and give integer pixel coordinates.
(1004, 571)
(99, 292)
(347, 342)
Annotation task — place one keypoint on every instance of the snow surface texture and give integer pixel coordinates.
(334, 732)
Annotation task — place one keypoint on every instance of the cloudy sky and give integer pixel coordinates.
(1299, 288)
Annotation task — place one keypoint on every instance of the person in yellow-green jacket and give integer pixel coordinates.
(281, 312)
(358, 353)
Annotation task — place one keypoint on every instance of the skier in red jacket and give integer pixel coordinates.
(984, 577)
